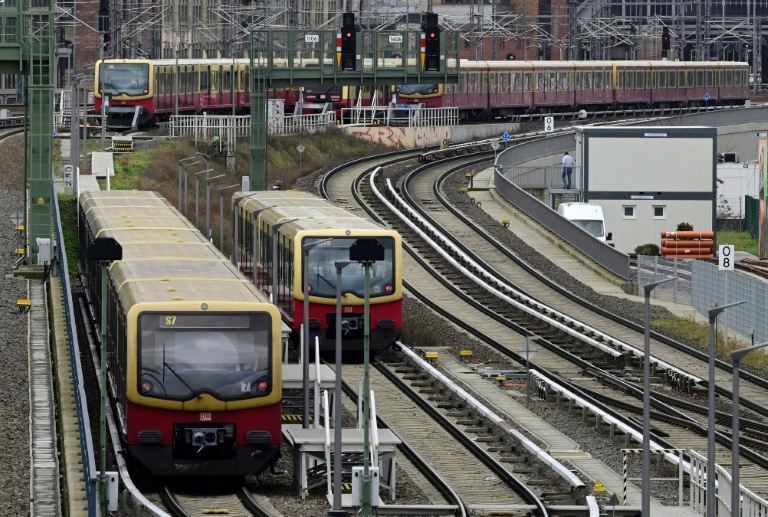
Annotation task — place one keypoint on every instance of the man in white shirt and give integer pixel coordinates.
(568, 162)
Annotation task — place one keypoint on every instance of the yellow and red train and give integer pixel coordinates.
(502, 89)
(304, 219)
(193, 348)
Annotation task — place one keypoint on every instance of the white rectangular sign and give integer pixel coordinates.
(395, 38)
(726, 257)
(311, 38)
(549, 124)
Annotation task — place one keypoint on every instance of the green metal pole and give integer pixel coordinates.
(365, 510)
(103, 415)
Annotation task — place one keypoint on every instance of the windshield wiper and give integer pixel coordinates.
(182, 380)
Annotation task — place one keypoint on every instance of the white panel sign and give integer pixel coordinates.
(395, 38)
(311, 38)
(549, 124)
(726, 257)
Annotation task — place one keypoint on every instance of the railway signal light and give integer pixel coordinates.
(348, 42)
(431, 44)
(665, 43)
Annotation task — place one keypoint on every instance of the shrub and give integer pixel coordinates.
(684, 227)
(647, 249)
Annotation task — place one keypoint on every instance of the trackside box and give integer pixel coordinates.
(649, 179)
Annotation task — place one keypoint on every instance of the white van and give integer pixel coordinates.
(588, 216)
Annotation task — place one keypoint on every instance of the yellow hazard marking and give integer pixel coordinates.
(599, 487)
(40, 201)
(20, 251)
(431, 355)
(465, 353)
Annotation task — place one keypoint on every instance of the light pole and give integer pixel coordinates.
(104, 250)
(366, 252)
(646, 482)
(221, 215)
(337, 511)
(528, 351)
(208, 205)
(737, 356)
(713, 313)
(185, 167)
(276, 227)
(197, 196)
(306, 248)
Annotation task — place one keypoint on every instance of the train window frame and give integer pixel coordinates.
(672, 80)
(659, 212)
(579, 78)
(528, 82)
(599, 80)
(709, 79)
(737, 76)
(462, 83)
(629, 211)
(690, 79)
(551, 81)
(539, 81)
(728, 82)
(630, 84)
(640, 79)
(516, 81)
(587, 84)
(661, 77)
(699, 78)
(681, 79)
(620, 77)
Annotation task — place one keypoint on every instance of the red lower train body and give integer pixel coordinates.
(386, 321)
(183, 443)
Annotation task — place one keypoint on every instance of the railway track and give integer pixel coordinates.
(423, 191)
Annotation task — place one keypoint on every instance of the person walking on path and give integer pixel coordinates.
(568, 162)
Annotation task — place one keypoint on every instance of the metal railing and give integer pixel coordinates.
(208, 128)
(90, 473)
(411, 115)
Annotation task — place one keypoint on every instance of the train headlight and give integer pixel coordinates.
(147, 386)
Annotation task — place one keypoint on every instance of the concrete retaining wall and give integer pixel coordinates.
(414, 137)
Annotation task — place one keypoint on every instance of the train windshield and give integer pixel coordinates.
(416, 89)
(124, 78)
(322, 269)
(182, 355)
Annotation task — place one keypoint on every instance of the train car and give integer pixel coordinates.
(501, 89)
(270, 229)
(144, 92)
(193, 348)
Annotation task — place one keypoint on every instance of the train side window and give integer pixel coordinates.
(462, 83)
(690, 82)
(672, 82)
(641, 75)
(699, 78)
(504, 86)
(579, 76)
(587, 80)
(661, 78)
(551, 81)
(599, 85)
(569, 81)
(621, 75)
(516, 82)
(729, 78)
(737, 78)
(681, 79)
(528, 79)
(710, 76)
(489, 82)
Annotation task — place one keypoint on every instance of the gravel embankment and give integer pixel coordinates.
(14, 386)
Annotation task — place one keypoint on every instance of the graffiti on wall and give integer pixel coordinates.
(402, 137)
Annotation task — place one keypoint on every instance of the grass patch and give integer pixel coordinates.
(691, 331)
(68, 213)
(742, 241)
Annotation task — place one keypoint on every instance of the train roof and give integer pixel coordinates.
(311, 213)
(165, 259)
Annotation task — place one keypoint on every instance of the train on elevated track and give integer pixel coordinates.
(144, 92)
(193, 348)
(271, 230)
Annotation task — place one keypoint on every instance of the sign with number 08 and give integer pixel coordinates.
(726, 257)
